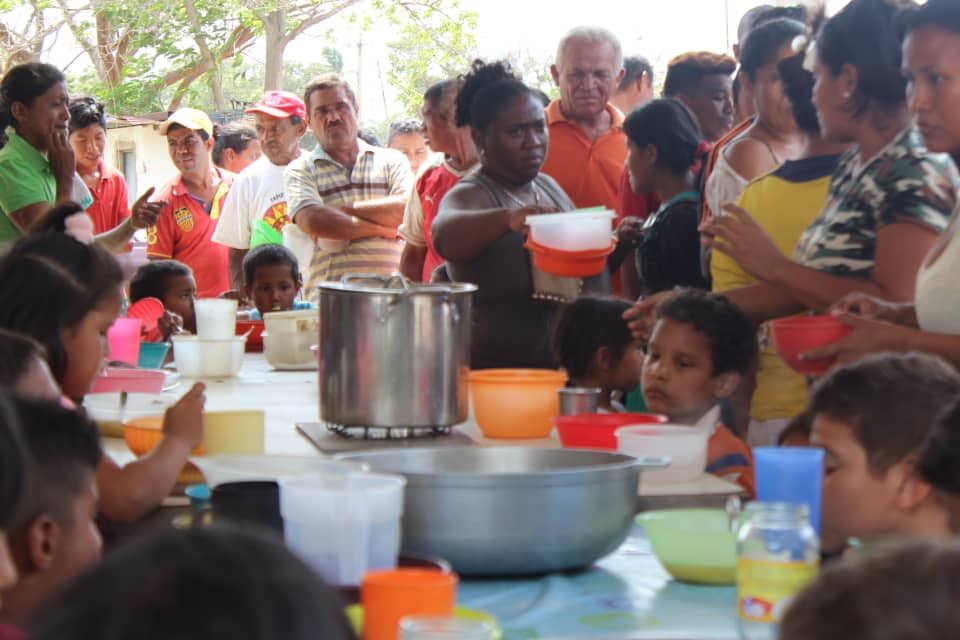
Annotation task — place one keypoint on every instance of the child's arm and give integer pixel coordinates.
(128, 493)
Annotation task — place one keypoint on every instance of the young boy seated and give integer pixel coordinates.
(903, 592)
(940, 460)
(871, 418)
(700, 348)
(272, 281)
(24, 368)
(55, 538)
(172, 283)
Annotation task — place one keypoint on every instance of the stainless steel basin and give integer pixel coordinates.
(511, 510)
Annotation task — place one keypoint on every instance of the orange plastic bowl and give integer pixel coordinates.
(570, 264)
(598, 430)
(798, 334)
(255, 339)
(143, 434)
(515, 403)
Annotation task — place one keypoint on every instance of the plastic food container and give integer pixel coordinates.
(255, 338)
(693, 545)
(343, 525)
(286, 351)
(581, 230)
(303, 321)
(216, 318)
(113, 379)
(686, 447)
(105, 409)
(221, 469)
(152, 354)
(598, 430)
(199, 358)
(798, 334)
(569, 264)
(515, 403)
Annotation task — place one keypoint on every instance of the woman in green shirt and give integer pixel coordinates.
(37, 164)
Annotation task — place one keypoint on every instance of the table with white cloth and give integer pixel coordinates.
(625, 595)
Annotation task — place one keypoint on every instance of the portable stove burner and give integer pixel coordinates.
(387, 433)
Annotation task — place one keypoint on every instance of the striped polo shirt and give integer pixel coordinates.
(317, 179)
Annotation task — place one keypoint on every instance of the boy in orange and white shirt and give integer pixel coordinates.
(700, 349)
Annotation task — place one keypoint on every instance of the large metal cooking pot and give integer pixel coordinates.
(513, 510)
(394, 353)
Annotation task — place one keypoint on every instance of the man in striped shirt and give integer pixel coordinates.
(347, 195)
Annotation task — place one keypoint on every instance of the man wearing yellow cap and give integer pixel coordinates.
(193, 201)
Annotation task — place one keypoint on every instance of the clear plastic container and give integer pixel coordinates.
(444, 628)
(778, 553)
(685, 446)
(216, 318)
(199, 358)
(574, 231)
(343, 525)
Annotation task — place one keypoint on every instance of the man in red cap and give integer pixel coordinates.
(255, 211)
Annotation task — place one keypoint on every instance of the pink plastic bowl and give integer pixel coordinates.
(130, 380)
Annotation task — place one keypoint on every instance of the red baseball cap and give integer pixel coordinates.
(279, 104)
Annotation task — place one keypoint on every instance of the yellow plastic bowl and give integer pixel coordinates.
(693, 545)
(515, 403)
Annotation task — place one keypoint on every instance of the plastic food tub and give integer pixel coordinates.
(114, 379)
(582, 230)
(198, 358)
(693, 545)
(569, 264)
(686, 447)
(796, 335)
(598, 430)
(515, 403)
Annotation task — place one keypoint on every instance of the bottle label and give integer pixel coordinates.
(764, 589)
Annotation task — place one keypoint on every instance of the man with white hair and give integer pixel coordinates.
(587, 144)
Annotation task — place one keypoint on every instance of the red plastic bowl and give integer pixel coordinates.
(798, 334)
(597, 430)
(570, 264)
(255, 339)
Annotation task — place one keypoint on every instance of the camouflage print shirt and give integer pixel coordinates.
(902, 183)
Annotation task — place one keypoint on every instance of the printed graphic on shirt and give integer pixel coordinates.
(184, 219)
(152, 235)
(276, 217)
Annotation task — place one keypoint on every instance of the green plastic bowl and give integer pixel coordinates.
(152, 354)
(693, 545)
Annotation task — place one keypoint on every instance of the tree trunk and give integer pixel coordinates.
(274, 31)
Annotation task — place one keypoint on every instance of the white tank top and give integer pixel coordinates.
(937, 298)
(724, 186)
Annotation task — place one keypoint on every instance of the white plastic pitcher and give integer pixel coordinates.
(343, 525)
(216, 318)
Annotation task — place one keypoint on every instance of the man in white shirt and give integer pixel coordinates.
(255, 211)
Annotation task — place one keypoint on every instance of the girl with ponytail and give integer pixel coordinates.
(664, 146)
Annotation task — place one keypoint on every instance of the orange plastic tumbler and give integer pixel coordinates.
(388, 596)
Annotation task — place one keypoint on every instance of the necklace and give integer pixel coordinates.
(520, 203)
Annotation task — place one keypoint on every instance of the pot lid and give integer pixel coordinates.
(394, 284)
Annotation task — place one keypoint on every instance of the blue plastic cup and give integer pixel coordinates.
(790, 474)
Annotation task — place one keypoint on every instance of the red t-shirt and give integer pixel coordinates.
(431, 187)
(184, 230)
(110, 200)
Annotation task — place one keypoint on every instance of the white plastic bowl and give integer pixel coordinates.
(574, 231)
(247, 468)
(197, 358)
(290, 351)
(686, 447)
(304, 321)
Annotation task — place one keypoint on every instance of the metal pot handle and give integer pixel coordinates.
(386, 281)
(653, 462)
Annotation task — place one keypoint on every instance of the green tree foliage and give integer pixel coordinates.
(434, 41)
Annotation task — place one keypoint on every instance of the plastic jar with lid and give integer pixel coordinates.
(778, 553)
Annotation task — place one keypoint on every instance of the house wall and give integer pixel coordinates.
(150, 157)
